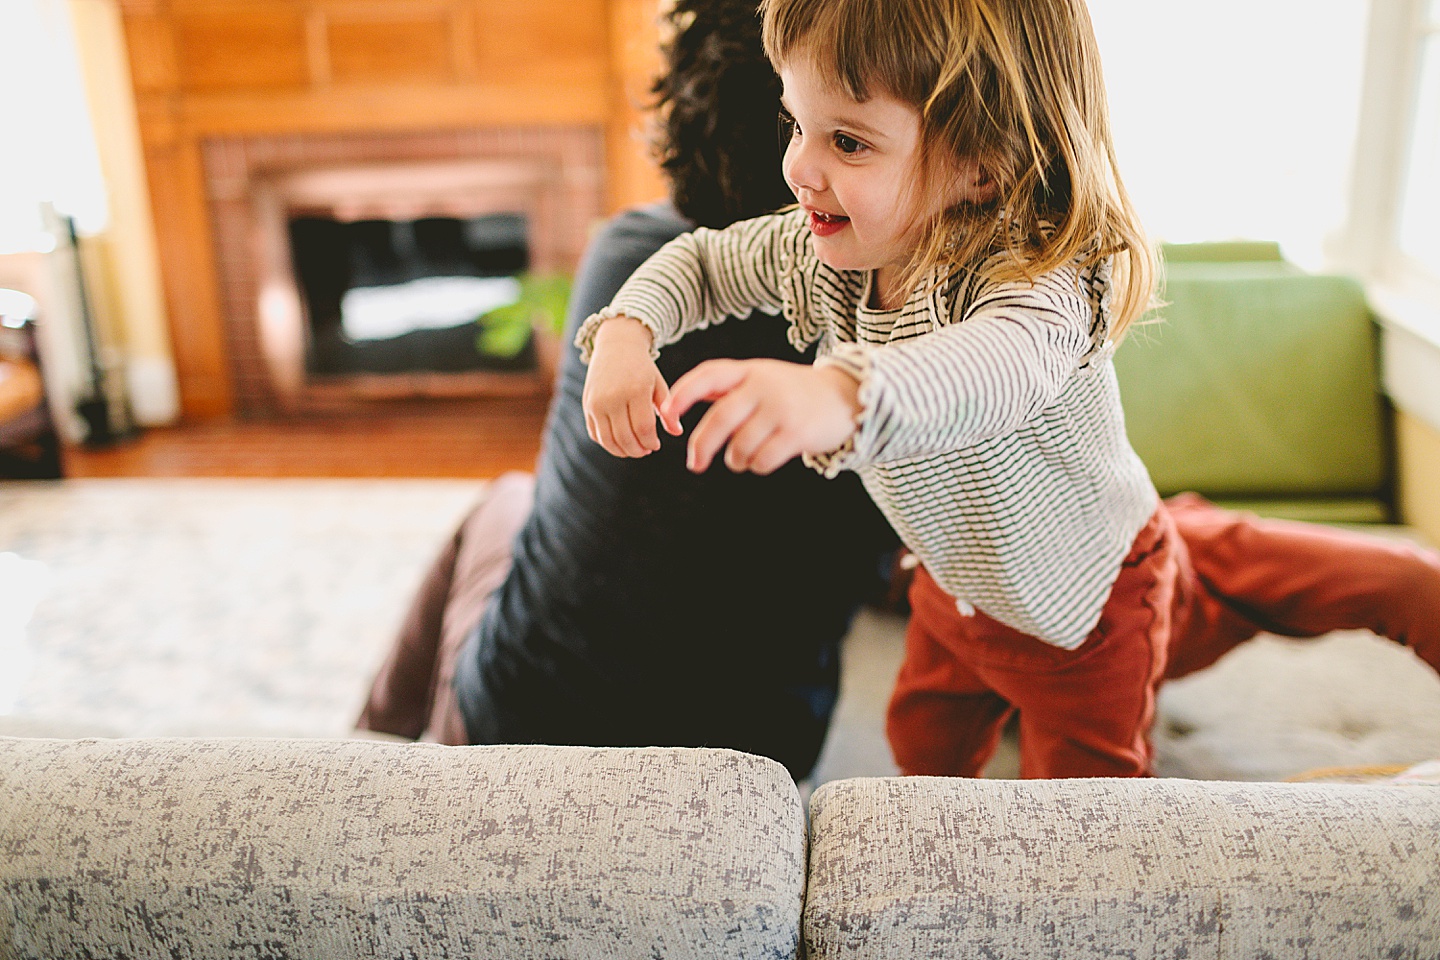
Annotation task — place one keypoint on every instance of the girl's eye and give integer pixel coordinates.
(847, 144)
(787, 128)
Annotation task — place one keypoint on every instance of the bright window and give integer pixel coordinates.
(48, 152)
(1236, 119)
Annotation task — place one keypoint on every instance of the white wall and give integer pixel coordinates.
(142, 331)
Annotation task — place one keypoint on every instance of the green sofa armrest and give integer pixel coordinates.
(1225, 251)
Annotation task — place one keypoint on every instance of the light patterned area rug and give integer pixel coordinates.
(1277, 708)
(206, 607)
(263, 607)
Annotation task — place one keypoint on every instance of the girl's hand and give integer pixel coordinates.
(764, 412)
(623, 389)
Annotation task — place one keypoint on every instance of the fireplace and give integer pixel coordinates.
(245, 105)
(525, 198)
(387, 296)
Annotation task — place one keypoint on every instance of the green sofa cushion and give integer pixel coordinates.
(1259, 382)
(1344, 510)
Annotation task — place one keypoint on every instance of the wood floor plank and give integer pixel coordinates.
(466, 439)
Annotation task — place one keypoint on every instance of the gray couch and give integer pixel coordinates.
(200, 848)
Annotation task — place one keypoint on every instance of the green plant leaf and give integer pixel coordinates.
(544, 298)
(550, 295)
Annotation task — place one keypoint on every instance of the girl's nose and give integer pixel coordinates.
(799, 167)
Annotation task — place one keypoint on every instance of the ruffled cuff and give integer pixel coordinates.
(855, 361)
(585, 336)
(801, 328)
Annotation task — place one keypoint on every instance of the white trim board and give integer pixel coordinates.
(1410, 353)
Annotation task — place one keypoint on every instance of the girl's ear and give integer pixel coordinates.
(974, 183)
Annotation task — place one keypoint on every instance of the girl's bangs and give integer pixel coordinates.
(846, 41)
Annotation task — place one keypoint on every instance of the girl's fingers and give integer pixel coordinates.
(658, 399)
(774, 453)
(605, 437)
(641, 423)
(616, 436)
(747, 439)
(706, 381)
(715, 428)
(626, 435)
(627, 432)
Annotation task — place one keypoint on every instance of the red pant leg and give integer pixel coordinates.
(1299, 580)
(1088, 712)
(942, 721)
(1083, 713)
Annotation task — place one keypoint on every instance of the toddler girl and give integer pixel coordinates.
(965, 254)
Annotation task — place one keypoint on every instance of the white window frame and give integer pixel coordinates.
(1397, 31)
(1405, 295)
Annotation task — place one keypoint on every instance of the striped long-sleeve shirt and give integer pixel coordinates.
(991, 433)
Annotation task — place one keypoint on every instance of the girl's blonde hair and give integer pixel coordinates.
(1014, 85)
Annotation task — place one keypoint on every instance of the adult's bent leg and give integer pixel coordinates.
(400, 700)
(411, 694)
(481, 566)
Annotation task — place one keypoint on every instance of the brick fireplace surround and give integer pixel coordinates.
(248, 107)
(551, 175)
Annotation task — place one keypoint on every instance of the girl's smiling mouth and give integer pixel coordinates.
(825, 224)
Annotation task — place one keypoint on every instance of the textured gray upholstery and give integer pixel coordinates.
(332, 849)
(927, 867)
(318, 849)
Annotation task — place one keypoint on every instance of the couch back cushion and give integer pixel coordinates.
(274, 848)
(1259, 382)
(931, 867)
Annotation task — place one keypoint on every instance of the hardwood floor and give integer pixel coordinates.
(460, 439)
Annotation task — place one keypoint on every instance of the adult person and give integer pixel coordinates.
(632, 602)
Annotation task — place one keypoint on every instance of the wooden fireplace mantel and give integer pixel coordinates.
(208, 69)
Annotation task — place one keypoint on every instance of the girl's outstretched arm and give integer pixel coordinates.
(695, 280)
(707, 276)
(764, 412)
(623, 390)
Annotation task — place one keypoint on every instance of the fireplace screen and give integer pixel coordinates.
(393, 296)
(353, 266)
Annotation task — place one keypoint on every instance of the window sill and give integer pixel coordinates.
(1409, 352)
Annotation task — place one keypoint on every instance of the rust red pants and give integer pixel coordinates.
(1199, 581)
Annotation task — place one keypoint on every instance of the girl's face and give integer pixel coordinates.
(853, 167)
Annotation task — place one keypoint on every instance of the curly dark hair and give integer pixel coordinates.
(718, 101)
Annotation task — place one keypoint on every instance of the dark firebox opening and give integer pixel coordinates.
(334, 258)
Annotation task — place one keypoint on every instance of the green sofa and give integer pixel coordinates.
(1258, 385)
